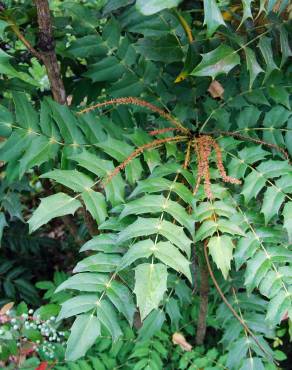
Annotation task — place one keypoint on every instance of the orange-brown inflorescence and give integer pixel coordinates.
(138, 151)
(203, 146)
(142, 103)
(163, 131)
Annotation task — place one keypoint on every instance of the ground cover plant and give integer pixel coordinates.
(155, 138)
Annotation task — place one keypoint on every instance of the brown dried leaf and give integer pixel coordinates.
(216, 90)
(6, 308)
(179, 339)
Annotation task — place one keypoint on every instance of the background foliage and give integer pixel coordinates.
(217, 68)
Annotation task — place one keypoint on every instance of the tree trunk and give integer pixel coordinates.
(46, 45)
(203, 310)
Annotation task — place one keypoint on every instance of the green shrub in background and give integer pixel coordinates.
(181, 169)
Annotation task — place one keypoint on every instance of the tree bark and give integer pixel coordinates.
(203, 310)
(46, 45)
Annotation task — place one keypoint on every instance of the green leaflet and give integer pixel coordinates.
(278, 307)
(122, 299)
(99, 262)
(56, 205)
(39, 151)
(7, 69)
(287, 213)
(270, 285)
(3, 25)
(284, 42)
(212, 16)
(87, 282)
(158, 204)
(256, 269)
(6, 120)
(246, 10)
(84, 331)
(252, 65)
(80, 304)
(142, 249)
(151, 325)
(221, 250)
(73, 179)
(154, 6)
(90, 45)
(18, 142)
(165, 49)
(115, 189)
(266, 50)
(171, 256)
(102, 243)
(107, 316)
(3, 224)
(159, 184)
(25, 114)
(245, 249)
(218, 61)
(149, 226)
(67, 123)
(95, 204)
(117, 149)
(272, 203)
(148, 292)
(173, 311)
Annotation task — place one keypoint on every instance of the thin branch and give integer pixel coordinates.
(203, 309)
(235, 314)
(22, 38)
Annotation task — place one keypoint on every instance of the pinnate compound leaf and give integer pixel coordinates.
(150, 7)
(221, 250)
(150, 286)
(212, 16)
(56, 205)
(218, 61)
(84, 331)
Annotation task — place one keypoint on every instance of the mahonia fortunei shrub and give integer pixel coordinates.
(178, 173)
